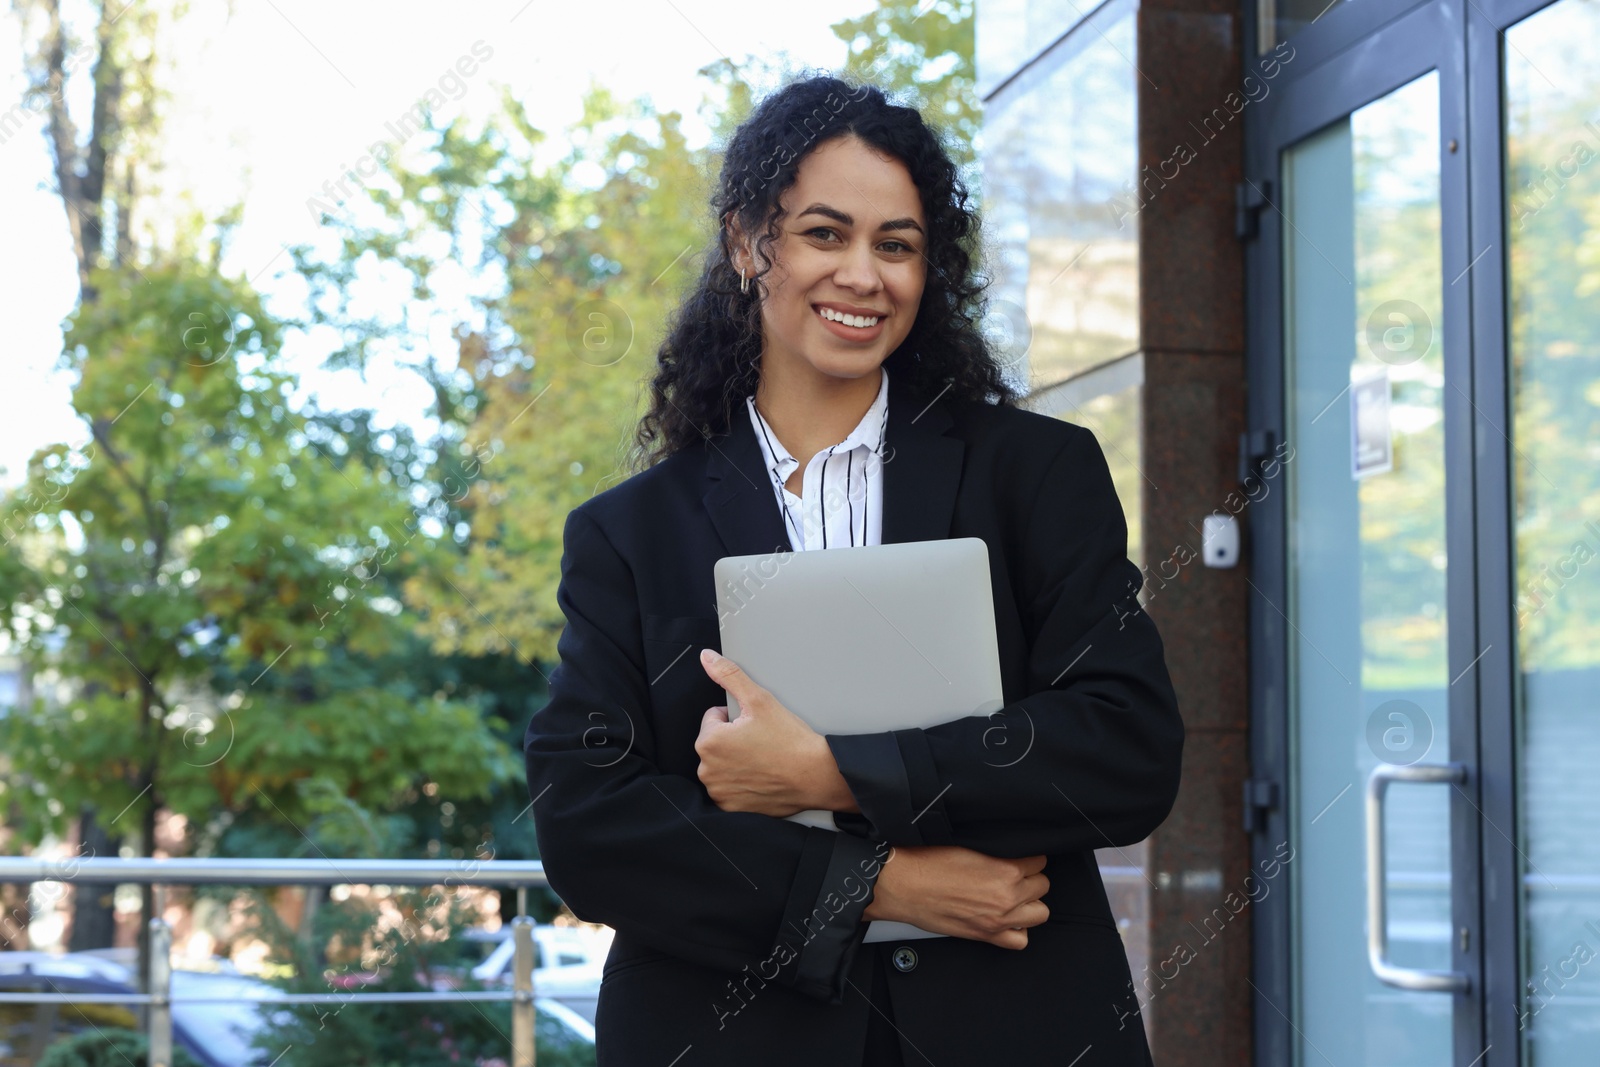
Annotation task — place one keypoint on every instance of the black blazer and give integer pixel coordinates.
(738, 935)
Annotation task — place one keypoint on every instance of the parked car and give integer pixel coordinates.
(223, 1026)
(571, 1021)
(491, 951)
(567, 961)
(215, 1034)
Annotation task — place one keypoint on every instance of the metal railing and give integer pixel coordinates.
(518, 875)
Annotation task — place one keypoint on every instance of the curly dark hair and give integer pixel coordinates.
(711, 357)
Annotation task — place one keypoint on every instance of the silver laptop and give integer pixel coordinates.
(865, 639)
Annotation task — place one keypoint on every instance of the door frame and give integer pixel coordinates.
(1353, 55)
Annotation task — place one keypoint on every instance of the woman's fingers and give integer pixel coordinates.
(1012, 939)
(1031, 913)
(1032, 864)
(718, 714)
(959, 891)
(1029, 909)
(732, 677)
(1013, 933)
(1035, 886)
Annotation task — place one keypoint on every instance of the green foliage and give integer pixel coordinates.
(926, 54)
(218, 574)
(108, 1048)
(551, 375)
(391, 944)
(579, 260)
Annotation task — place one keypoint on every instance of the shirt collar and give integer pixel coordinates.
(868, 432)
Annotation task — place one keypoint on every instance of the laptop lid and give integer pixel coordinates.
(866, 638)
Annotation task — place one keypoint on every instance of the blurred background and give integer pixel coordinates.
(318, 319)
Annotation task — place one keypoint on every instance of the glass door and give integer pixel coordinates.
(1551, 116)
(1365, 617)
(1425, 358)
(1367, 595)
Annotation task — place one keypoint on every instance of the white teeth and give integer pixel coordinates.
(858, 321)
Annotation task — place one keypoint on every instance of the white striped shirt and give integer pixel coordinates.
(841, 492)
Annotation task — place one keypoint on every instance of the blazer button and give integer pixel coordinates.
(905, 959)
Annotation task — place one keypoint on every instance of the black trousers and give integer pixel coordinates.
(883, 1042)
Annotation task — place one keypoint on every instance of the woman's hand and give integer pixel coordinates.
(947, 889)
(768, 760)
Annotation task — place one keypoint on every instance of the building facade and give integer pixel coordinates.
(1330, 269)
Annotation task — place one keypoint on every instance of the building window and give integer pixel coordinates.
(1060, 159)
(1278, 20)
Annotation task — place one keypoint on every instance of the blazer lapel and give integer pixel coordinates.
(922, 466)
(740, 496)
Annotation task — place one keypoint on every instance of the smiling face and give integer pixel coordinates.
(848, 266)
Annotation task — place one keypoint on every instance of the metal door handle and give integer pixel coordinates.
(1377, 877)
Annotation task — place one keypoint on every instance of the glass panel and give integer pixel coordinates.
(1552, 103)
(1011, 32)
(1114, 418)
(1368, 665)
(1278, 20)
(1060, 162)
(1049, 19)
(1000, 41)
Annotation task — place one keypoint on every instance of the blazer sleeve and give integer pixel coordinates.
(649, 853)
(1090, 756)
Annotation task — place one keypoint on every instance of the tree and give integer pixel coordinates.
(205, 572)
(581, 262)
(927, 53)
(99, 172)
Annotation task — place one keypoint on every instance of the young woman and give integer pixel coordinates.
(825, 385)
